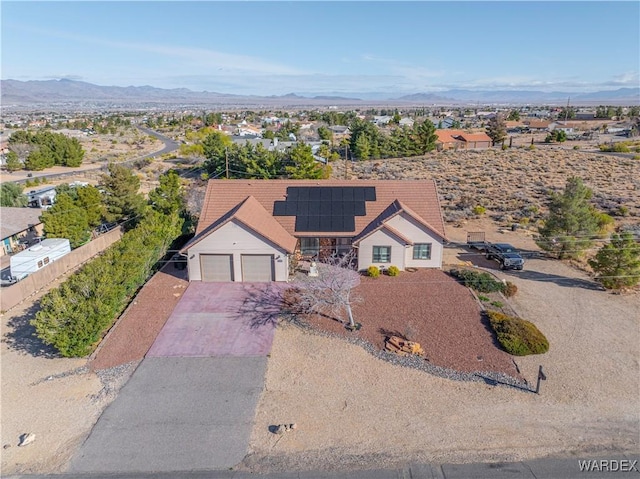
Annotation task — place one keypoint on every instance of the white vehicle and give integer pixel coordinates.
(38, 256)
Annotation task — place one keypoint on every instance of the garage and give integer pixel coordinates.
(216, 267)
(257, 267)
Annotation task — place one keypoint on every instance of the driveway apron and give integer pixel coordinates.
(191, 403)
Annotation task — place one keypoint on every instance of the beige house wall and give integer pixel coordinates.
(236, 239)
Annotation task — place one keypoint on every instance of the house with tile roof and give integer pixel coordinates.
(253, 230)
(461, 140)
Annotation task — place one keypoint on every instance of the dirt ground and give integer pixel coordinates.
(357, 411)
(55, 398)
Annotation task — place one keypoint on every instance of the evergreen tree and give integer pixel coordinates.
(571, 223)
(617, 264)
(425, 136)
(11, 195)
(497, 129)
(65, 219)
(121, 195)
(13, 162)
(168, 197)
(89, 198)
(302, 164)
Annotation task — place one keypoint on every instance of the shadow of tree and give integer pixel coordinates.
(556, 279)
(22, 335)
(266, 304)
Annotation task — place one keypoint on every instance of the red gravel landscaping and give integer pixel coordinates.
(431, 308)
(137, 329)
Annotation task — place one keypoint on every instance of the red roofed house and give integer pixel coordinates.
(460, 140)
(250, 229)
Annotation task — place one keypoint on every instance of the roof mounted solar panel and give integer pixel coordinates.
(328, 209)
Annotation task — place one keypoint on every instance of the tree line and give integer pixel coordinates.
(75, 316)
(43, 149)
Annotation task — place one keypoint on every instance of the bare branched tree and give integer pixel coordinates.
(331, 291)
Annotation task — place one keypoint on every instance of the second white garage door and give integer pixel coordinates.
(257, 267)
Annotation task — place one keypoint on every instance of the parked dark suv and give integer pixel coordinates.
(506, 255)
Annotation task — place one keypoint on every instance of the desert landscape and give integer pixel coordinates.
(365, 411)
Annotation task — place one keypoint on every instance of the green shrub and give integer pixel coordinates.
(510, 289)
(517, 336)
(480, 281)
(74, 316)
(479, 210)
(497, 304)
(373, 271)
(483, 298)
(393, 271)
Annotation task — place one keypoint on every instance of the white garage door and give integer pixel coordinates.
(216, 267)
(257, 267)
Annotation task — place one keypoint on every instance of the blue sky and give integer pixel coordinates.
(273, 48)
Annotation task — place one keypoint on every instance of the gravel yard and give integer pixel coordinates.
(354, 410)
(431, 308)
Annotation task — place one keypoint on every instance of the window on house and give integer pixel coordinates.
(309, 246)
(39, 264)
(382, 254)
(422, 251)
(46, 260)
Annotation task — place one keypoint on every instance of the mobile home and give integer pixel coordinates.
(38, 256)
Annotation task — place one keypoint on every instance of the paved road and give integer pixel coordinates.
(627, 466)
(57, 172)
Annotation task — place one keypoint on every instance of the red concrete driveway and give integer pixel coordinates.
(221, 319)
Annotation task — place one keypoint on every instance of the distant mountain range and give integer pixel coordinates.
(71, 92)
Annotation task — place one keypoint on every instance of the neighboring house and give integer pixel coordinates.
(539, 125)
(382, 120)
(407, 122)
(20, 227)
(42, 198)
(250, 230)
(461, 140)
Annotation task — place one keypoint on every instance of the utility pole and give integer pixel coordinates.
(566, 113)
(346, 158)
(226, 161)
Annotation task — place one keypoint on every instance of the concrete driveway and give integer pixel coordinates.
(220, 319)
(191, 403)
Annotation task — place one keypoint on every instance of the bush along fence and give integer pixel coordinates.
(75, 316)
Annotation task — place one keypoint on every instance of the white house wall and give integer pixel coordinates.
(381, 238)
(236, 239)
(411, 229)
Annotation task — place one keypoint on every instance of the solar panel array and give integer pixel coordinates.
(325, 208)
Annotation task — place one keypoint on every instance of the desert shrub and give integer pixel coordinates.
(479, 210)
(373, 271)
(480, 281)
(393, 271)
(517, 336)
(576, 147)
(510, 289)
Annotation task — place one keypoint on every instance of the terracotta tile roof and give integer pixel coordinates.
(474, 137)
(447, 136)
(222, 196)
(253, 215)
